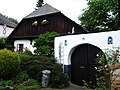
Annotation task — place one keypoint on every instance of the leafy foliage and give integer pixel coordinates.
(100, 15)
(27, 52)
(9, 63)
(45, 44)
(36, 64)
(39, 3)
(29, 84)
(2, 43)
(104, 70)
(23, 55)
(9, 82)
(22, 76)
(58, 78)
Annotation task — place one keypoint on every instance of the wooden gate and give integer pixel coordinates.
(83, 64)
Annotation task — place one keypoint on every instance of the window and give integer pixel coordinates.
(20, 47)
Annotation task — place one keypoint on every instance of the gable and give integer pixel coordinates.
(57, 23)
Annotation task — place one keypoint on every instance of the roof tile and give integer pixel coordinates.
(5, 20)
(44, 10)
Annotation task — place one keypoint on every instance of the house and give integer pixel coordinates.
(78, 58)
(45, 19)
(6, 26)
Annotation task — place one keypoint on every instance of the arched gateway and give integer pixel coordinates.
(83, 64)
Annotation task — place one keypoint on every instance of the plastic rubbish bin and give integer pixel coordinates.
(45, 77)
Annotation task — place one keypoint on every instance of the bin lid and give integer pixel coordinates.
(46, 71)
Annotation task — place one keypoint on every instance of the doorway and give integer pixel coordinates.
(83, 64)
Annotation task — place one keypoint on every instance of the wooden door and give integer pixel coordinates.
(83, 64)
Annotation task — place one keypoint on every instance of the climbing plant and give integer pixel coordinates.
(105, 69)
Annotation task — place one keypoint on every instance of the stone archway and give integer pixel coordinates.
(83, 64)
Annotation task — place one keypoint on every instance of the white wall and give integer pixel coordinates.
(26, 43)
(97, 39)
(8, 31)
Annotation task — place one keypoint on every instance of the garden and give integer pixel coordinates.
(23, 70)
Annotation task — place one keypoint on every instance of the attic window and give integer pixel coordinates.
(35, 23)
(44, 22)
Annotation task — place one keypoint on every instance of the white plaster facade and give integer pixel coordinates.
(8, 31)
(65, 45)
(26, 44)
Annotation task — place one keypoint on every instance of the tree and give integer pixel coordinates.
(39, 3)
(45, 44)
(100, 15)
(13, 20)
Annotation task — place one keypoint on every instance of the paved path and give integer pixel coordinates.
(71, 87)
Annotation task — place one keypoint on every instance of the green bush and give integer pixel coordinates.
(45, 44)
(23, 56)
(27, 52)
(30, 84)
(6, 84)
(9, 63)
(23, 76)
(21, 87)
(36, 64)
(58, 78)
(9, 83)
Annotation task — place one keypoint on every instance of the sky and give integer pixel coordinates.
(18, 9)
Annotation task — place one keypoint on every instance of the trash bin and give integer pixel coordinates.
(45, 77)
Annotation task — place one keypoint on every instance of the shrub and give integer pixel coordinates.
(23, 56)
(22, 87)
(45, 44)
(36, 64)
(30, 84)
(2, 43)
(9, 63)
(58, 78)
(107, 65)
(6, 84)
(9, 83)
(23, 76)
(27, 52)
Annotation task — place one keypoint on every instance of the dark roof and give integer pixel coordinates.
(44, 10)
(5, 20)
